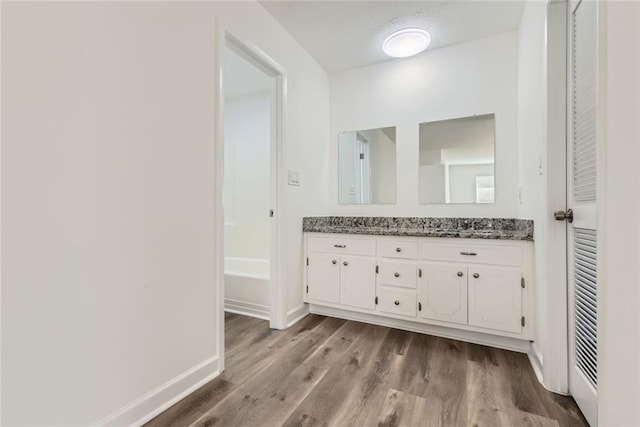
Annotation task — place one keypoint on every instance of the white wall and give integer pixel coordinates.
(306, 128)
(531, 141)
(478, 77)
(107, 205)
(107, 198)
(619, 323)
(247, 133)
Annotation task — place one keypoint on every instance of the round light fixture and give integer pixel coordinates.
(406, 42)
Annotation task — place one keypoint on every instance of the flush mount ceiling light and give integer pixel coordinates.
(406, 42)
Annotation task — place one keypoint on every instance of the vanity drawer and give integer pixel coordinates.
(397, 249)
(495, 255)
(397, 301)
(398, 273)
(340, 245)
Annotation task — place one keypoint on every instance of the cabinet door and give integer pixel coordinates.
(323, 278)
(443, 292)
(495, 298)
(357, 281)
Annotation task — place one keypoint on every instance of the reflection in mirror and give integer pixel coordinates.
(457, 160)
(367, 166)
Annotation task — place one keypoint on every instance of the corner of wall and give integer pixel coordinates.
(297, 314)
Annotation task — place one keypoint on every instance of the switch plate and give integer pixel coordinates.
(294, 178)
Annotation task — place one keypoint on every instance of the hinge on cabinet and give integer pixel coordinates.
(419, 272)
(307, 288)
(307, 260)
(522, 282)
(522, 321)
(419, 306)
(376, 300)
(376, 269)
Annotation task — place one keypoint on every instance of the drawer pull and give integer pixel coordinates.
(345, 263)
(476, 275)
(339, 246)
(468, 253)
(398, 249)
(334, 262)
(460, 274)
(397, 275)
(396, 302)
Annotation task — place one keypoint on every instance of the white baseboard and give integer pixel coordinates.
(161, 398)
(297, 314)
(535, 358)
(537, 363)
(506, 343)
(246, 308)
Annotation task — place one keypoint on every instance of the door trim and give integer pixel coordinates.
(553, 263)
(277, 292)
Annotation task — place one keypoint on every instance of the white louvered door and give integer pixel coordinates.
(583, 167)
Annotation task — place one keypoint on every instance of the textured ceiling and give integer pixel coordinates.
(342, 35)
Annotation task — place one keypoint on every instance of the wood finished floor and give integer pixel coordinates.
(331, 372)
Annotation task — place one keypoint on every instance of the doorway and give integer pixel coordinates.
(246, 191)
(249, 199)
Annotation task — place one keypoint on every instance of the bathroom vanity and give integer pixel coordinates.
(464, 278)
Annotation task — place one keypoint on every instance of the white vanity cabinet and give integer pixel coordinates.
(323, 278)
(495, 298)
(397, 277)
(357, 279)
(473, 285)
(341, 271)
(443, 292)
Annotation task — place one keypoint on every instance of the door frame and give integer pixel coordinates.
(277, 294)
(554, 268)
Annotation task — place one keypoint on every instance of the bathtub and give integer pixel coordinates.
(246, 286)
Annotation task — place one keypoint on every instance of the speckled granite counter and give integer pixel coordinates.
(472, 228)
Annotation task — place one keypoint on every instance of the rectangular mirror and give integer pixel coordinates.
(367, 166)
(457, 160)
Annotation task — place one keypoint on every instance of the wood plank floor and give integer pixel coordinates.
(331, 372)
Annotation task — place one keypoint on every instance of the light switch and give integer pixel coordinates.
(294, 178)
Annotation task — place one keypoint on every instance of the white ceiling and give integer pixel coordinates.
(342, 35)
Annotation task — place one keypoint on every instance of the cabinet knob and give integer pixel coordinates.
(476, 275)
(345, 263)
(396, 302)
(460, 274)
(398, 250)
(334, 262)
(397, 274)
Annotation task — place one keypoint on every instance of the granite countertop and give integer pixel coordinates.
(471, 228)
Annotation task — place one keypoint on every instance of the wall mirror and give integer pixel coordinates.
(367, 166)
(457, 160)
